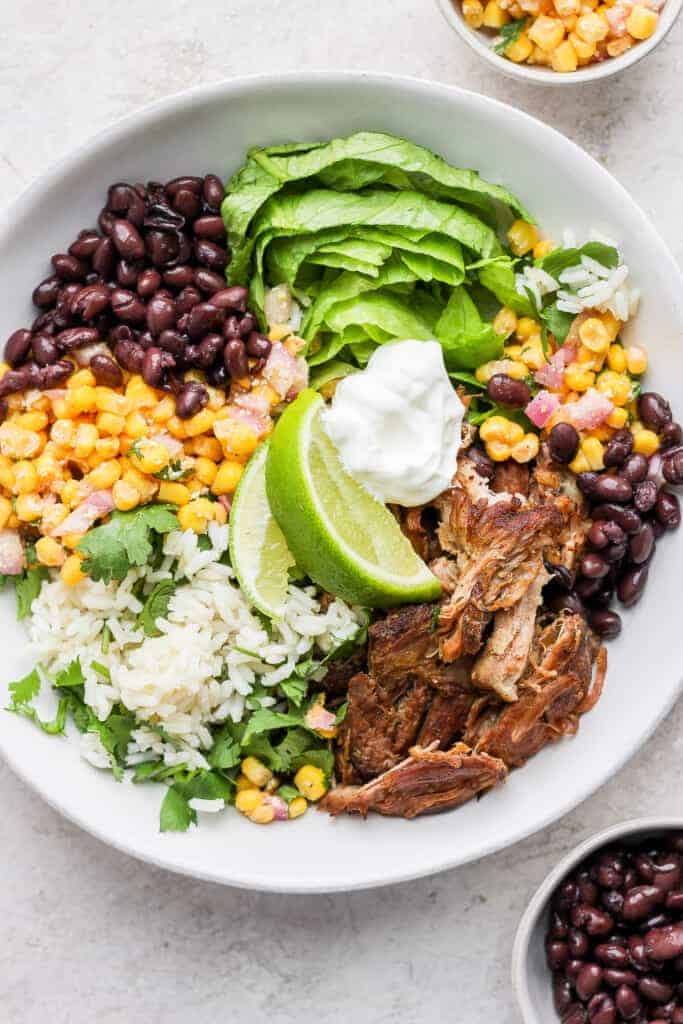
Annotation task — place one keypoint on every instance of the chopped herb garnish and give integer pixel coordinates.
(509, 34)
(127, 539)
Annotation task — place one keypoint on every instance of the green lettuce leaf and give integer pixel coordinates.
(499, 278)
(467, 341)
(561, 259)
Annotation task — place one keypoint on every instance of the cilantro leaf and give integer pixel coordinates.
(205, 786)
(509, 34)
(557, 321)
(27, 587)
(265, 720)
(176, 815)
(173, 471)
(225, 752)
(70, 678)
(295, 689)
(125, 540)
(156, 607)
(322, 758)
(24, 690)
(288, 793)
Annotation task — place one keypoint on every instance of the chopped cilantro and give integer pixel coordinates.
(156, 607)
(24, 690)
(295, 689)
(27, 587)
(110, 550)
(509, 34)
(288, 793)
(173, 471)
(176, 815)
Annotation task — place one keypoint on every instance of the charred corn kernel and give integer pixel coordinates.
(145, 487)
(256, 771)
(526, 449)
(615, 47)
(25, 478)
(125, 496)
(593, 27)
(112, 401)
(140, 394)
(616, 358)
(149, 456)
(494, 15)
(84, 440)
(616, 386)
(206, 470)
(175, 493)
(499, 451)
(543, 248)
(48, 552)
(80, 378)
(617, 419)
(532, 354)
(18, 443)
(136, 425)
(499, 428)
(220, 513)
(641, 22)
(297, 807)
(105, 475)
(263, 815)
(564, 58)
(519, 50)
(522, 237)
(579, 463)
(71, 571)
(527, 328)
(200, 423)
(163, 411)
(310, 781)
(594, 451)
(33, 420)
(547, 33)
(5, 512)
(636, 360)
(473, 13)
(71, 493)
(53, 515)
(110, 423)
(28, 507)
(176, 428)
(594, 334)
(238, 440)
(248, 799)
(72, 540)
(514, 368)
(505, 321)
(105, 448)
(645, 442)
(205, 447)
(242, 783)
(227, 477)
(48, 469)
(192, 518)
(577, 378)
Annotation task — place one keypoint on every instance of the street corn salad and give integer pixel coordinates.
(563, 35)
(319, 487)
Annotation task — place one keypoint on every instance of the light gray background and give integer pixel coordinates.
(87, 934)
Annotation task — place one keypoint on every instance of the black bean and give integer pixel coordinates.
(588, 981)
(187, 204)
(69, 268)
(246, 325)
(654, 410)
(106, 221)
(54, 375)
(563, 442)
(674, 900)
(179, 277)
(127, 201)
(204, 318)
(627, 518)
(615, 552)
(209, 349)
(160, 215)
(654, 989)
(45, 294)
(104, 258)
(613, 489)
(163, 247)
(128, 240)
(645, 495)
(189, 182)
(605, 623)
(258, 346)
(90, 301)
(573, 967)
(235, 358)
(601, 1009)
(613, 901)
(618, 448)
(45, 349)
(664, 943)
(209, 281)
(128, 272)
(148, 283)
(640, 901)
(631, 585)
(614, 977)
(635, 468)
(171, 341)
(83, 248)
(127, 306)
(191, 356)
(627, 1002)
(13, 381)
(586, 482)
(161, 313)
(130, 355)
(213, 191)
(187, 298)
(77, 337)
(210, 227)
(217, 375)
(506, 391)
(578, 943)
(153, 366)
(591, 919)
(209, 254)
(593, 566)
(17, 347)
(231, 327)
(672, 466)
(191, 398)
(562, 993)
(106, 371)
(556, 954)
(570, 602)
(641, 544)
(574, 1014)
(670, 435)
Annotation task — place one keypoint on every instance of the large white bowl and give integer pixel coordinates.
(209, 129)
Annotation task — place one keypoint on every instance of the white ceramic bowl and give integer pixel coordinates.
(531, 979)
(209, 129)
(480, 42)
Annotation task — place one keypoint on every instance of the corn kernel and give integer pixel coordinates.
(145, 487)
(227, 477)
(6, 473)
(217, 398)
(505, 321)
(594, 451)
(256, 771)
(136, 425)
(110, 423)
(526, 449)
(645, 442)
(579, 463)
(310, 781)
(149, 456)
(242, 782)
(584, 51)
(566, 8)
(532, 354)
(200, 423)
(641, 22)
(205, 470)
(522, 237)
(543, 248)
(105, 475)
(28, 507)
(297, 807)
(105, 448)
(592, 27)
(263, 814)
(494, 15)
(25, 478)
(33, 420)
(176, 428)
(519, 50)
(617, 419)
(53, 515)
(163, 411)
(125, 496)
(174, 493)
(499, 451)
(473, 13)
(81, 378)
(206, 447)
(499, 428)
(527, 328)
(81, 399)
(564, 58)
(636, 360)
(5, 512)
(192, 518)
(71, 571)
(17, 443)
(112, 401)
(616, 358)
(577, 378)
(539, 56)
(60, 408)
(594, 334)
(220, 513)
(247, 800)
(71, 493)
(547, 33)
(140, 394)
(85, 439)
(616, 386)
(615, 47)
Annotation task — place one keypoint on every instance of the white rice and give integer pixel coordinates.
(211, 654)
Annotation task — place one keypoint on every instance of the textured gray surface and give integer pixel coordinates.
(90, 935)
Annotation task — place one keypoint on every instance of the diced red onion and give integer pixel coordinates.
(12, 557)
(541, 407)
(96, 505)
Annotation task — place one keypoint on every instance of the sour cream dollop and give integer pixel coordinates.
(397, 424)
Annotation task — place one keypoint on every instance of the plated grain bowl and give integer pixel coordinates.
(320, 479)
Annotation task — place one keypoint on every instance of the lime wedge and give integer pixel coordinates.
(258, 550)
(342, 537)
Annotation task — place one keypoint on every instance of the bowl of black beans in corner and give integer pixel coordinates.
(601, 941)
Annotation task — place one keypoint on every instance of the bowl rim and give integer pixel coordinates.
(233, 88)
(539, 901)
(546, 76)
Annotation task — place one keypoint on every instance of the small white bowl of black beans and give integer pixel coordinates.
(601, 941)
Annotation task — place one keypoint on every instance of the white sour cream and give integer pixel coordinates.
(397, 424)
